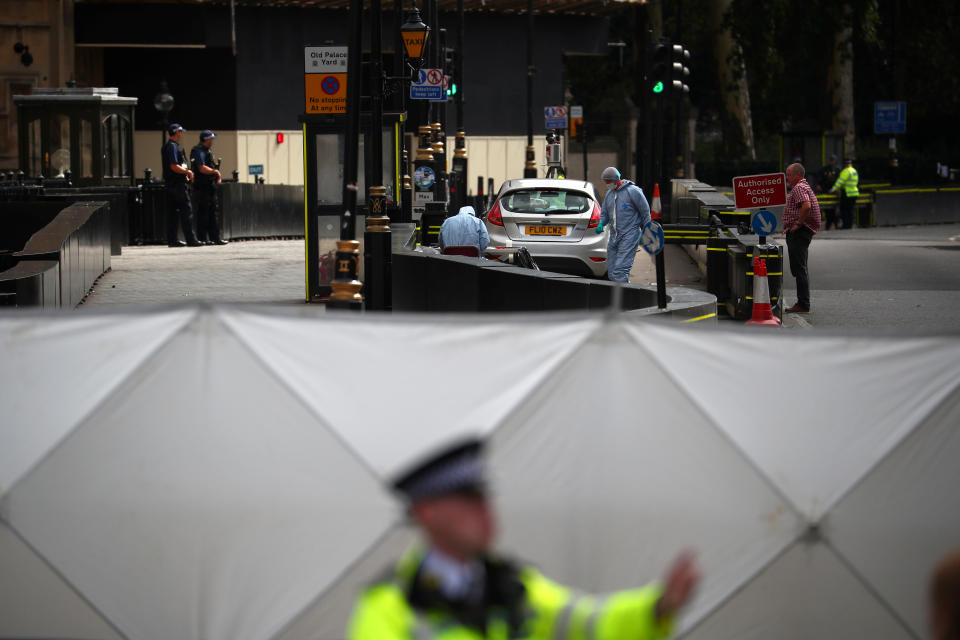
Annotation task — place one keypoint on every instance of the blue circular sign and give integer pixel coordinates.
(763, 222)
(424, 177)
(652, 238)
(330, 85)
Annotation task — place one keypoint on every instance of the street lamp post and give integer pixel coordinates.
(530, 167)
(377, 237)
(163, 103)
(345, 284)
(460, 151)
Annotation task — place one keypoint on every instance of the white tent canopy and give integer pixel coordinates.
(221, 473)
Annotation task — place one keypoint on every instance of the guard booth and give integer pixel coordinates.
(811, 149)
(88, 132)
(324, 140)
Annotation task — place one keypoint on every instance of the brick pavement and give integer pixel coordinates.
(270, 271)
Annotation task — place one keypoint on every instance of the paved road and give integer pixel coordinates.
(256, 271)
(883, 278)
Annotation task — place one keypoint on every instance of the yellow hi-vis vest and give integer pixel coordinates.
(847, 181)
(553, 611)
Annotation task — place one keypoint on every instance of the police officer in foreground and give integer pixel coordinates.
(847, 184)
(205, 182)
(454, 588)
(176, 175)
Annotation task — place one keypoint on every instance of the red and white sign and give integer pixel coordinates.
(767, 190)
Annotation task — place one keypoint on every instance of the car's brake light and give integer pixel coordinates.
(495, 217)
(595, 216)
(598, 259)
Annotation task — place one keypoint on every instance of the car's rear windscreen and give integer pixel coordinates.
(546, 201)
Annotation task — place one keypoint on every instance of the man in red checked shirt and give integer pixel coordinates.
(801, 220)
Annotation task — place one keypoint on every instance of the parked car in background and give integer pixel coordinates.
(556, 220)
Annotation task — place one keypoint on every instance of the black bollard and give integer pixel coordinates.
(68, 175)
(20, 177)
(236, 175)
(148, 175)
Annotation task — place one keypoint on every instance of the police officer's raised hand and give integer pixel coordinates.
(599, 228)
(679, 583)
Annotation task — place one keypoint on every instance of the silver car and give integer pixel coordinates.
(556, 220)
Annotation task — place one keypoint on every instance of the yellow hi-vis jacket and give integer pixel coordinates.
(847, 181)
(550, 610)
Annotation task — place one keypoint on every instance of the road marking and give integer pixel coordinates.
(954, 238)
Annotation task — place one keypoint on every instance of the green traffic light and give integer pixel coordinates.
(452, 90)
(658, 88)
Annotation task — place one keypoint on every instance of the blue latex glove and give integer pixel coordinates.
(599, 228)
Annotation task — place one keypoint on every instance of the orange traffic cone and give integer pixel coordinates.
(762, 312)
(656, 209)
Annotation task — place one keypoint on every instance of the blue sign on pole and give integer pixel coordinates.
(255, 169)
(652, 238)
(428, 86)
(555, 117)
(763, 222)
(889, 117)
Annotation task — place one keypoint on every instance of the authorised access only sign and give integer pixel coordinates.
(766, 190)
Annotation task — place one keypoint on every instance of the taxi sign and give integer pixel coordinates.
(652, 238)
(764, 190)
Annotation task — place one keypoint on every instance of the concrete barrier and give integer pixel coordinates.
(897, 206)
(60, 262)
(432, 282)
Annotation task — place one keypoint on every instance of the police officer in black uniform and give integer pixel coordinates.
(176, 175)
(205, 181)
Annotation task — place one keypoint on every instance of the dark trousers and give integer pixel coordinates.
(208, 214)
(798, 242)
(846, 210)
(179, 210)
(832, 219)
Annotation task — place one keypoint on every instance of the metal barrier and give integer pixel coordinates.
(60, 261)
(702, 215)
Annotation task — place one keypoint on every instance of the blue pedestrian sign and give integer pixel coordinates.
(255, 169)
(555, 117)
(428, 86)
(652, 238)
(763, 222)
(889, 117)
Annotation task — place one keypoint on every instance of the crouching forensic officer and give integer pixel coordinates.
(205, 182)
(455, 589)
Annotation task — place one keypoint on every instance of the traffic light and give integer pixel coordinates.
(679, 70)
(450, 70)
(660, 76)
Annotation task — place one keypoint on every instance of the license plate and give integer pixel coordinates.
(546, 230)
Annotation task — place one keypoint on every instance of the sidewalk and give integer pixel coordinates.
(270, 271)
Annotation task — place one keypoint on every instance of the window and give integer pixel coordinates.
(85, 168)
(34, 166)
(329, 168)
(546, 201)
(58, 160)
(113, 146)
